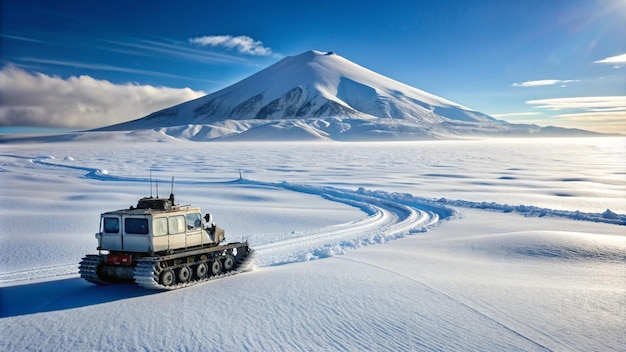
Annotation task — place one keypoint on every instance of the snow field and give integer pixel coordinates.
(465, 245)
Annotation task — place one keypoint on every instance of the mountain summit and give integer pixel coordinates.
(320, 95)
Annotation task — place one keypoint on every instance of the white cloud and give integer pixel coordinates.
(614, 60)
(39, 100)
(545, 82)
(585, 103)
(513, 114)
(605, 116)
(242, 43)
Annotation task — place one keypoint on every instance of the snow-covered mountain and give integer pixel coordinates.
(320, 95)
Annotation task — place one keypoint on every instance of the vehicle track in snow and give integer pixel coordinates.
(388, 216)
(43, 272)
(441, 204)
(386, 219)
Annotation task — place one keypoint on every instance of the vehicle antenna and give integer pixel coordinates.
(150, 182)
(157, 187)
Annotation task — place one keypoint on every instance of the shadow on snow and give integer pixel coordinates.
(61, 295)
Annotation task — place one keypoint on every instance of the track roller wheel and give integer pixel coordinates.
(184, 273)
(202, 270)
(229, 262)
(168, 278)
(216, 267)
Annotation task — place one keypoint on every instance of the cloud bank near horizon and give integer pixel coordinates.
(79, 102)
(588, 111)
(604, 103)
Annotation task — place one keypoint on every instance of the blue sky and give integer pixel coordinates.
(79, 64)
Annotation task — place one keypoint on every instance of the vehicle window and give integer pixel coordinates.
(159, 226)
(176, 224)
(137, 226)
(194, 221)
(111, 225)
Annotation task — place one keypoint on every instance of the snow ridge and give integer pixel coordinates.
(608, 216)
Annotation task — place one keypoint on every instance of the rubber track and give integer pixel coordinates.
(88, 269)
(146, 274)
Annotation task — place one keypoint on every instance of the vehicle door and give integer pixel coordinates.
(137, 234)
(111, 233)
(194, 229)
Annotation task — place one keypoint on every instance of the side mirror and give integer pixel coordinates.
(209, 219)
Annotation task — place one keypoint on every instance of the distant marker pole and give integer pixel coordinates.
(150, 182)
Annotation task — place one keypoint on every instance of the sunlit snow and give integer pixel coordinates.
(511, 244)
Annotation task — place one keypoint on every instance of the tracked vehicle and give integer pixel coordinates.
(160, 245)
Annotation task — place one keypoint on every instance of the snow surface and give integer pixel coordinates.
(513, 244)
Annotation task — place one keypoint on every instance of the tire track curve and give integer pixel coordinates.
(388, 216)
(387, 219)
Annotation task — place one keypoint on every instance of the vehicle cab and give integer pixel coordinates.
(156, 225)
